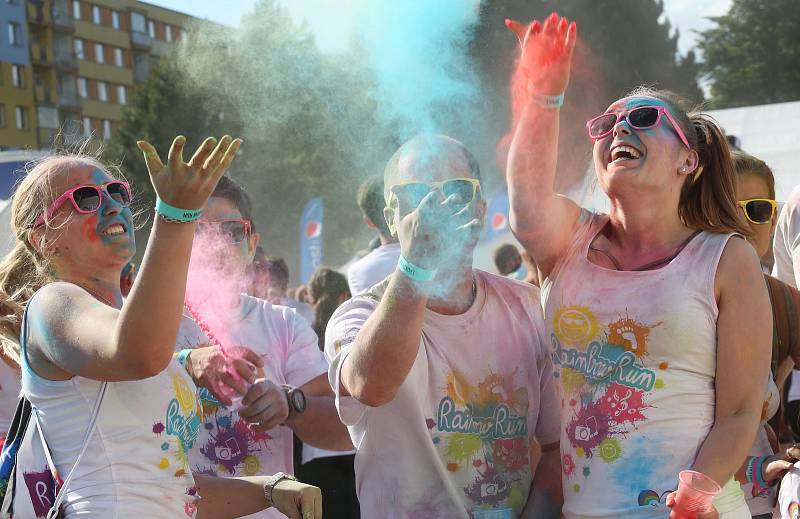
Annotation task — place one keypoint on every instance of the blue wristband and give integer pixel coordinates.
(172, 213)
(759, 473)
(415, 273)
(546, 101)
(183, 355)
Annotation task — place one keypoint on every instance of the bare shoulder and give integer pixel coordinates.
(739, 267)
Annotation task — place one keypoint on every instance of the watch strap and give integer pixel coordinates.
(269, 485)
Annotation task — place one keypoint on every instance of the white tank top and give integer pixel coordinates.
(136, 464)
(635, 360)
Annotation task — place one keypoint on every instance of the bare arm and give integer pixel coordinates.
(547, 496)
(124, 344)
(320, 425)
(744, 332)
(540, 218)
(228, 498)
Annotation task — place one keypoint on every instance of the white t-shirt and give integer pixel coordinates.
(226, 445)
(373, 268)
(786, 246)
(303, 310)
(457, 435)
(789, 495)
(9, 395)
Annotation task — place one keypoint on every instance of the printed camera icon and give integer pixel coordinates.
(587, 431)
(227, 451)
(489, 489)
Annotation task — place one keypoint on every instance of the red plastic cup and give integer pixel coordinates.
(696, 493)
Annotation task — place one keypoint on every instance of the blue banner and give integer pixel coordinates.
(310, 239)
(497, 216)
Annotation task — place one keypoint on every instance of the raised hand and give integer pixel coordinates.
(546, 53)
(187, 185)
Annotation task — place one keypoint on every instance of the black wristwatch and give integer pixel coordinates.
(296, 399)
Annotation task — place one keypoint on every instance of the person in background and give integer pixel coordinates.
(381, 260)
(509, 262)
(276, 272)
(667, 266)
(441, 371)
(60, 292)
(331, 471)
(288, 394)
(755, 189)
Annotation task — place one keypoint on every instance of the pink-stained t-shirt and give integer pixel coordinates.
(457, 435)
(635, 359)
(227, 446)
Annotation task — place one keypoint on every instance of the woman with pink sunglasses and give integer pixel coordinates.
(657, 312)
(80, 342)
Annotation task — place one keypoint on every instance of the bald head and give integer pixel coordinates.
(429, 158)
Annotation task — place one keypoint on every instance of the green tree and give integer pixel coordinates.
(752, 56)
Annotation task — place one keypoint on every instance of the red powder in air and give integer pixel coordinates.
(586, 96)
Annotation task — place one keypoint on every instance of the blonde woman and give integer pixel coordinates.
(74, 232)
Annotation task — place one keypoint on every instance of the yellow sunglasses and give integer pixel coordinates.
(758, 210)
(410, 194)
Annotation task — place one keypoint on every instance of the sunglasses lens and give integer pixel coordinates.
(602, 125)
(87, 199)
(644, 117)
(759, 211)
(410, 195)
(235, 231)
(119, 193)
(462, 190)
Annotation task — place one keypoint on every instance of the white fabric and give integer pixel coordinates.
(794, 390)
(137, 460)
(457, 435)
(635, 360)
(226, 445)
(373, 268)
(786, 245)
(789, 495)
(303, 310)
(9, 395)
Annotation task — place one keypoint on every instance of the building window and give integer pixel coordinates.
(151, 28)
(102, 91)
(168, 32)
(18, 76)
(2, 115)
(118, 57)
(14, 34)
(76, 9)
(96, 18)
(87, 127)
(99, 53)
(115, 19)
(138, 22)
(122, 95)
(106, 129)
(22, 118)
(78, 44)
(83, 89)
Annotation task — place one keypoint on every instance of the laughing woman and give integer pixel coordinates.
(74, 232)
(657, 312)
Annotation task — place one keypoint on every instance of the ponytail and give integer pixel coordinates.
(708, 196)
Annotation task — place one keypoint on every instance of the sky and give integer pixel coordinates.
(331, 27)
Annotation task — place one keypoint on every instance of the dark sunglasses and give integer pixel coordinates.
(640, 118)
(411, 194)
(87, 199)
(236, 231)
(758, 210)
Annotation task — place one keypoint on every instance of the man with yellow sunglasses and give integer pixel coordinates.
(441, 371)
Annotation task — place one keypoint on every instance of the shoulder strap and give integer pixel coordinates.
(780, 329)
(53, 513)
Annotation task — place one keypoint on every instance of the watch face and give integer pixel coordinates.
(298, 401)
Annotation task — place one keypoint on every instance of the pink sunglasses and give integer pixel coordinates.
(87, 199)
(639, 118)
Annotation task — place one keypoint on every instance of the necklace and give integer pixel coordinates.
(652, 264)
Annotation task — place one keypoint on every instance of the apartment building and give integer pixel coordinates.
(85, 59)
(17, 108)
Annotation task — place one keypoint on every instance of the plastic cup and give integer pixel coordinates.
(696, 492)
(494, 513)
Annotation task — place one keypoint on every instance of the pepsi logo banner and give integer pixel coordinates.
(311, 228)
(497, 216)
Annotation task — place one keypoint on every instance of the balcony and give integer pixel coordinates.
(58, 17)
(69, 102)
(141, 68)
(62, 19)
(66, 62)
(141, 40)
(40, 56)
